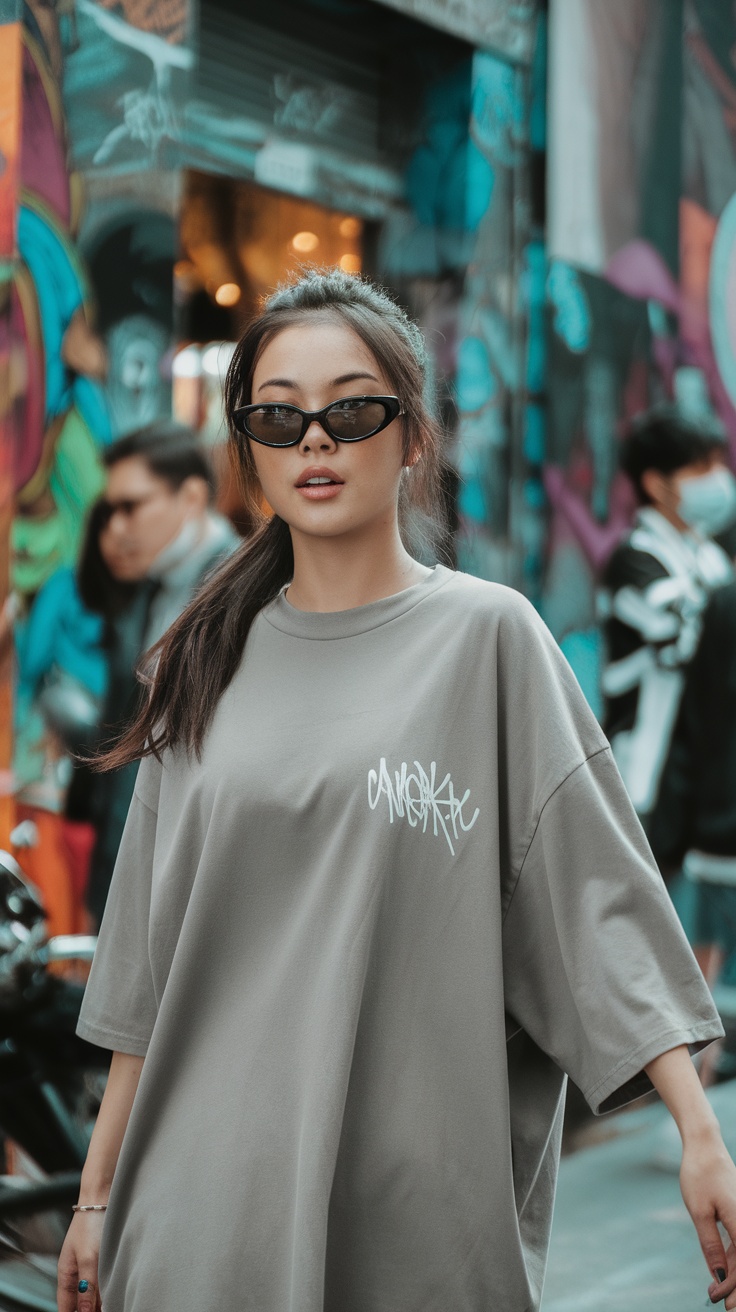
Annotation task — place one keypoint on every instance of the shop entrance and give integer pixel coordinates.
(239, 240)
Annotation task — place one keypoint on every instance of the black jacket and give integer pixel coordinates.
(696, 808)
(655, 589)
(113, 791)
(627, 568)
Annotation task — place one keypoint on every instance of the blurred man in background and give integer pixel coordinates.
(656, 586)
(162, 534)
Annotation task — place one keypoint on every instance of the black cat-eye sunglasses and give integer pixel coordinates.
(351, 419)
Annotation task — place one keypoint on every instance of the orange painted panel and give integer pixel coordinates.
(11, 52)
(10, 110)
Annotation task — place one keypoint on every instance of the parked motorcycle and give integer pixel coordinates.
(51, 1084)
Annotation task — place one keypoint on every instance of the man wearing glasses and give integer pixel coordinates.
(162, 534)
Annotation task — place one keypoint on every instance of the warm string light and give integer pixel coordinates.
(227, 294)
(349, 263)
(350, 227)
(305, 242)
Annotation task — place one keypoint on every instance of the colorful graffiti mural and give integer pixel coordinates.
(125, 87)
(88, 321)
(501, 358)
(640, 237)
(92, 301)
(64, 417)
(12, 382)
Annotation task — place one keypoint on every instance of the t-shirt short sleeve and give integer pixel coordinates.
(119, 1005)
(597, 969)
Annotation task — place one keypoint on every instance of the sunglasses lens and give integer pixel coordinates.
(275, 424)
(355, 419)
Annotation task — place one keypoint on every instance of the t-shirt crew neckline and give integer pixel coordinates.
(323, 625)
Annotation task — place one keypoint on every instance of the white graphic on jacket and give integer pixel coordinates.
(418, 796)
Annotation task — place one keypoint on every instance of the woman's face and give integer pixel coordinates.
(310, 365)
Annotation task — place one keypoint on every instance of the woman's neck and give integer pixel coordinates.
(332, 574)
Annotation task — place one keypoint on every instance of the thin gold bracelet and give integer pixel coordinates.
(89, 1207)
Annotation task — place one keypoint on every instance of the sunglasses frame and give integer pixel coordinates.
(240, 416)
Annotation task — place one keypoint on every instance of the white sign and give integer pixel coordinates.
(286, 166)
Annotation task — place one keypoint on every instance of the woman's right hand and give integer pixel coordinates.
(78, 1261)
(79, 1256)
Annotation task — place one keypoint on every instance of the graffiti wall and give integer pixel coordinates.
(89, 321)
(641, 225)
(125, 89)
(500, 379)
(12, 382)
(92, 294)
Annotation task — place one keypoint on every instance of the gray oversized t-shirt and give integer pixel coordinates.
(359, 942)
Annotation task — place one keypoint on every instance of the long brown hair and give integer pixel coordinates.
(195, 660)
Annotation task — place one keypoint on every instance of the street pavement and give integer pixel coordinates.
(621, 1238)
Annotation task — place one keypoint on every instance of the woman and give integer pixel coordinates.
(379, 886)
(62, 674)
(110, 603)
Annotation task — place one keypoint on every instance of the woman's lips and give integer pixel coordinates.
(320, 491)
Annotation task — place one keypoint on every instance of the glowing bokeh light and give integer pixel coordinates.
(304, 242)
(228, 293)
(184, 269)
(350, 263)
(187, 363)
(216, 358)
(350, 227)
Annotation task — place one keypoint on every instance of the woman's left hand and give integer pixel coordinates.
(707, 1174)
(708, 1183)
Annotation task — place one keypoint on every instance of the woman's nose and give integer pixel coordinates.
(317, 438)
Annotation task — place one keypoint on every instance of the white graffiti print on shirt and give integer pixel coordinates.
(418, 797)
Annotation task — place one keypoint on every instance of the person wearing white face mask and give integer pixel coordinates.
(657, 584)
(708, 501)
